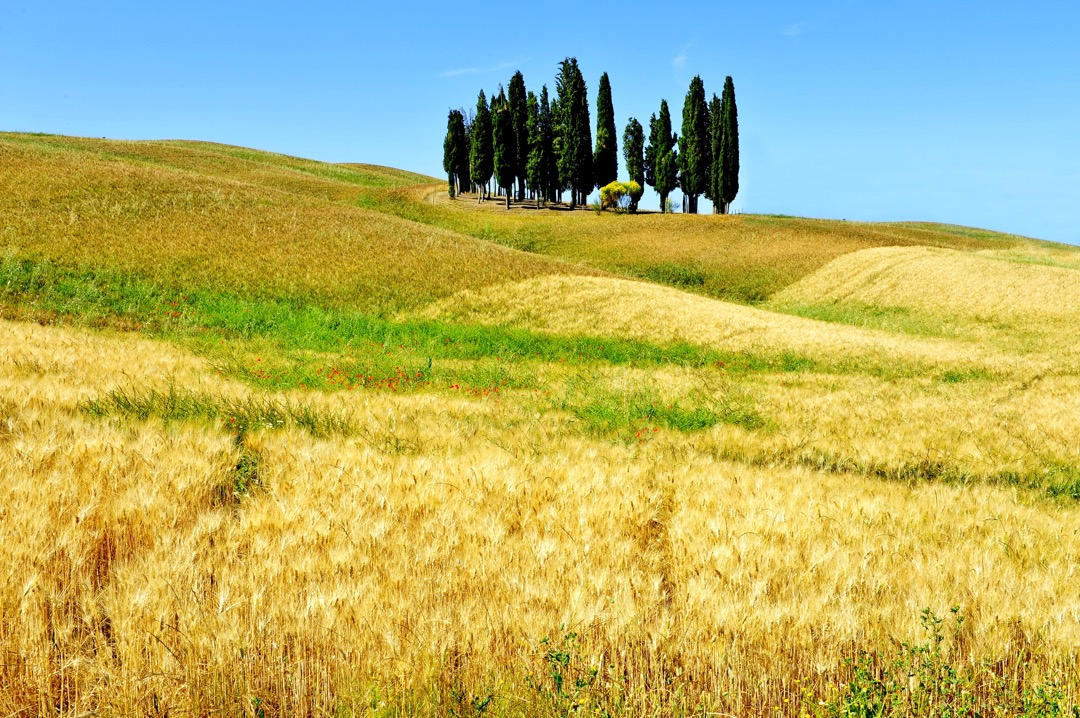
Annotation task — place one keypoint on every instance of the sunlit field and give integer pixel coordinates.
(288, 438)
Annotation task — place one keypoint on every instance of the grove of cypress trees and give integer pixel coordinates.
(575, 159)
(714, 191)
(518, 112)
(481, 160)
(729, 149)
(694, 150)
(661, 158)
(455, 152)
(633, 143)
(502, 139)
(606, 157)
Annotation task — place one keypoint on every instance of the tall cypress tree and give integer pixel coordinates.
(694, 154)
(729, 145)
(559, 180)
(633, 144)
(519, 114)
(661, 158)
(481, 160)
(534, 164)
(714, 191)
(455, 152)
(549, 164)
(606, 157)
(502, 138)
(575, 160)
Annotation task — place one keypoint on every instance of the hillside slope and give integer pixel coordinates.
(742, 258)
(280, 437)
(192, 216)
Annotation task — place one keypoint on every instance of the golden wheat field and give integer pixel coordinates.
(574, 493)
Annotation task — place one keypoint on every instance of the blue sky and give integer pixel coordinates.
(961, 112)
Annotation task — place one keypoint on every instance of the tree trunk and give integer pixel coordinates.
(509, 191)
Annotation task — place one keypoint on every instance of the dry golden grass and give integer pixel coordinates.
(979, 286)
(612, 307)
(738, 257)
(998, 299)
(444, 551)
(433, 554)
(227, 229)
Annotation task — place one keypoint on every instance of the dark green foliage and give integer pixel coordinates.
(456, 152)
(502, 137)
(534, 165)
(694, 151)
(661, 158)
(606, 157)
(519, 114)
(729, 145)
(481, 153)
(716, 169)
(549, 170)
(575, 158)
(634, 154)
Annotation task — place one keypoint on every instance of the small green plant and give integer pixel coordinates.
(568, 686)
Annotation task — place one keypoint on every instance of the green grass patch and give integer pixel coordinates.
(240, 416)
(965, 374)
(900, 320)
(634, 415)
(676, 275)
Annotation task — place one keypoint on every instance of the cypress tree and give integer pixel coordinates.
(729, 146)
(716, 169)
(633, 143)
(502, 138)
(559, 180)
(455, 152)
(481, 160)
(534, 152)
(661, 158)
(549, 171)
(694, 155)
(519, 114)
(575, 160)
(606, 157)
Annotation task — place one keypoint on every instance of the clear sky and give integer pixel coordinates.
(961, 112)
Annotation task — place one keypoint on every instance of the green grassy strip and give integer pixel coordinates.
(239, 415)
(293, 325)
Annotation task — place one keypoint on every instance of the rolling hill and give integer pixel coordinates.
(282, 437)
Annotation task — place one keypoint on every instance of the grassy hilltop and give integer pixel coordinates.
(283, 437)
